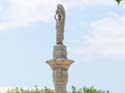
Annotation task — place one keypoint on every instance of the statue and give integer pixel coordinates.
(60, 63)
(60, 21)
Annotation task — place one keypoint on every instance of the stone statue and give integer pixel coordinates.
(60, 21)
(60, 63)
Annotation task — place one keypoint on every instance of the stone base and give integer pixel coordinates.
(60, 73)
(59, 52)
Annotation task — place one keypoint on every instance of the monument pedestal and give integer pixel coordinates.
(59, 52)
(60, 73)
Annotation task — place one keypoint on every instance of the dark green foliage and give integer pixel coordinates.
(35, 90)
(48, 90)
(118, 1)
(87, 90)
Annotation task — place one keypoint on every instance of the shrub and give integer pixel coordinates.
(48, 90)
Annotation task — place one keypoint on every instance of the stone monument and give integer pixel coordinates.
(60, 63)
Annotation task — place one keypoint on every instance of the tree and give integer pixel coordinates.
(118, 1)
(48, 90)
(87, 90)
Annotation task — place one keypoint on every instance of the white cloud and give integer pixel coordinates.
(23, 12)
(26, 12)
(1, 9)
(85, 3)
(10, 25)
(107, 38)
(31, 9)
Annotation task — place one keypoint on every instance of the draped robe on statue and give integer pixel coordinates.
(60, 21)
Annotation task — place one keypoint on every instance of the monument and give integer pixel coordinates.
(60, 63)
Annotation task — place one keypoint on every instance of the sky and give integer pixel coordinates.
(94, 36)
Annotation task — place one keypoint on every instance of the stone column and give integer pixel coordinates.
(60, 65)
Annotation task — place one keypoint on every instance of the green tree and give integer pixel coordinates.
(118, 1)
(87, 90)
(48, 90)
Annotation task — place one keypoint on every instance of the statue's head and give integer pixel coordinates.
(59, 6)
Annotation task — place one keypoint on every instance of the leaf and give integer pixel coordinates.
(118, 1)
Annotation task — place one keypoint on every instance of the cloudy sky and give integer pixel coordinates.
(94, 36)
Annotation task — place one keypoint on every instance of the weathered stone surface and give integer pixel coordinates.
(60, 76)
(60, 64)
(59, 52)
(60, 88)
(60, 22)
(60, 73)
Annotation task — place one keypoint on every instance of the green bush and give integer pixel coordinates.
(87, 90)
(118, 1)
(48, 90)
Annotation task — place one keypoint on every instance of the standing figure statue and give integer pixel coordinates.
(60, 22)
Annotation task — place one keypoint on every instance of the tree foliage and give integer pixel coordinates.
(34, 90)
(87, 90)
(48, 90)
(118, 1)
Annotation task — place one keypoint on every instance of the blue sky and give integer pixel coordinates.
(94, 36)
